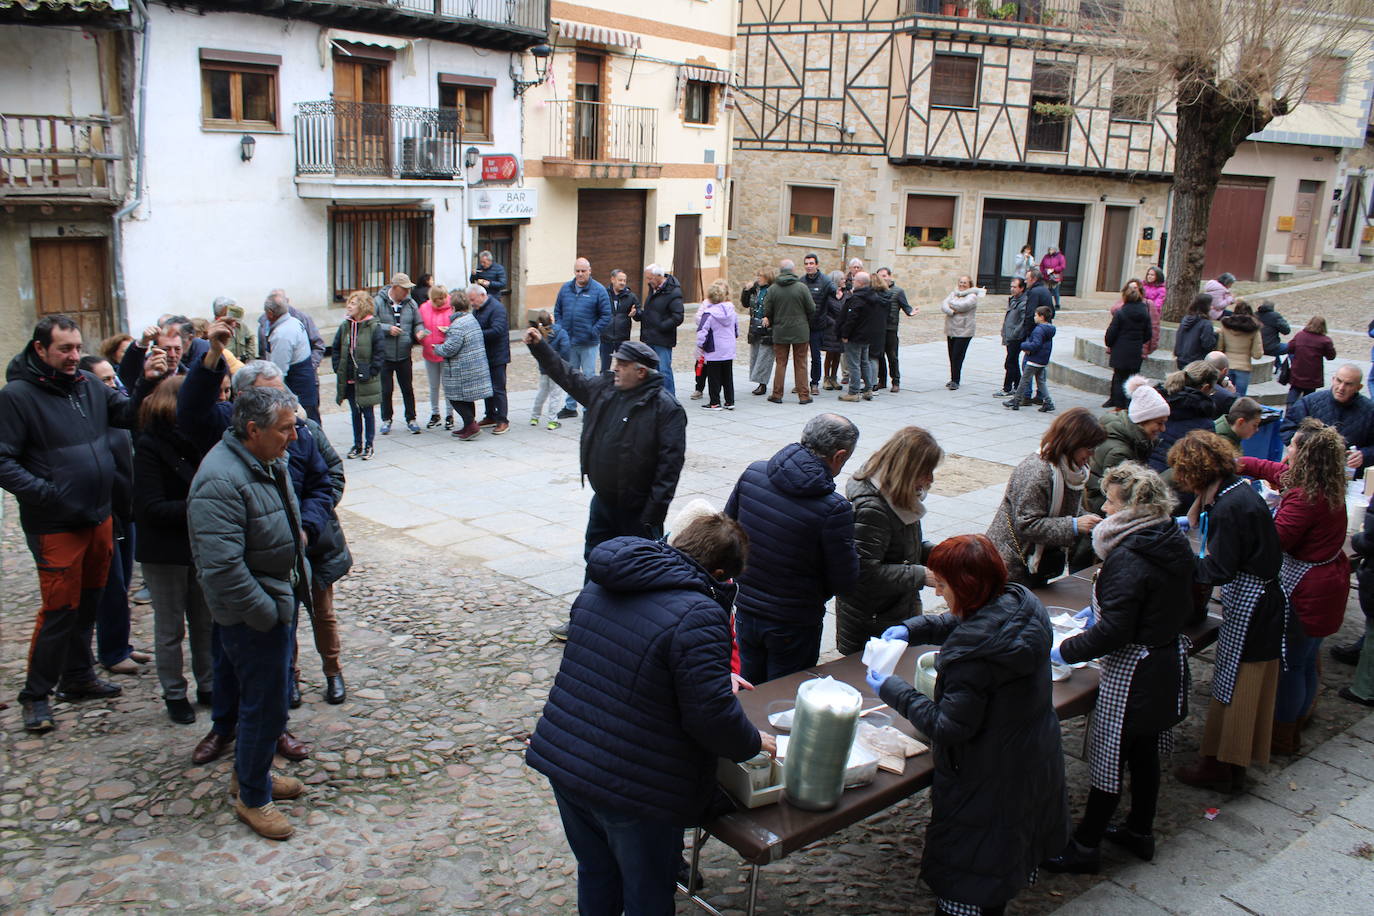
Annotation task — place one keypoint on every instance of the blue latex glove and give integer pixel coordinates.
(898, 632)
(1056, 657)
(1086, 615)
(1183, 524)
(875, 680)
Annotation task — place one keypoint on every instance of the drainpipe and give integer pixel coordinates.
(116, 232)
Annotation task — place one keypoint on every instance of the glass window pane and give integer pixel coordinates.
(259, 102)
(1016, 235)
(221, 103)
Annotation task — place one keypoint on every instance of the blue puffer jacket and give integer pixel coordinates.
(642, 707)
(1353, 419)
(1039, 344)
(801, 538)
(582, 311)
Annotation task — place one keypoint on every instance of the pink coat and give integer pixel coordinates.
(433, 320)
(1053, 264)
(718, 317)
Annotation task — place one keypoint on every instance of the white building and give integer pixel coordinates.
(317, 147)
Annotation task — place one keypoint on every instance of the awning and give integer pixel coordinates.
(580, 31)
(704, 74)
(363, 38)
(332, 39)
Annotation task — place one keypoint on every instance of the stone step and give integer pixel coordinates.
(1161, 362)
(1087, 376)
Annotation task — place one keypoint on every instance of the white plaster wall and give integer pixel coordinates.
(48, 71)
(214, 225)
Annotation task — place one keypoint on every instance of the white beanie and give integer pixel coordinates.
(1146, 402)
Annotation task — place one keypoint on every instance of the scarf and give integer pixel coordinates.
(905, 516)
(1062, 479)
(1114, 528)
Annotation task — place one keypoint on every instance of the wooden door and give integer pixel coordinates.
(362, 122)
(69, 278)
(686, 256)
(1111, 258)
(1235, 227)
(500, 240)
(610, 234)
(587, 115)
(1304, 215)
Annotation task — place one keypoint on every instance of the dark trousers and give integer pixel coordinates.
(720, 376)
(817, 338)
(496, 404)
(887, 360)
(73, 567)
(608, 347)
(467, 412)
(1012, 376)
(1117, 396)
(606, 521)
(958, 349)
(624, 863)
(112, 617)
(250, 697)
(1140, 754)
(769, 650)
(364, 419)
(398, 372)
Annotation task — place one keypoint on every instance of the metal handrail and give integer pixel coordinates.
(601, 132)
(371, 139)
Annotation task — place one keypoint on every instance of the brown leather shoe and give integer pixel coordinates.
(211, 747)
(266, 821)
(291, 747)
(1207, 773)
(284, 788)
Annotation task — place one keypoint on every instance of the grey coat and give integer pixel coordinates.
(397, 347)
(466, 375)
(891, 574)
(245, 528)
(1024, 519)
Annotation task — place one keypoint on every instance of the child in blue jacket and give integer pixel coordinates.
(549, 392)
(1037, 348)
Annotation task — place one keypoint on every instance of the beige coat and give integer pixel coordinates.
(1240, 347)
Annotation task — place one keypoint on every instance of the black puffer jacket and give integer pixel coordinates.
(891, 574)
(1272, 325)
(866, 320)
(652, 443)
(618, 330)
(164, 466)
(1189, 409)
(641, 707)
(998, 805)
(835, 310)
(1144, 596)
(661, 314)
(1196, 338)
(821, 289)
(1127, 335)
(1241, 538)
(801, 538)
(55, 454)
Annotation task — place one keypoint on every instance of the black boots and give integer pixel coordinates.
(1076, 859)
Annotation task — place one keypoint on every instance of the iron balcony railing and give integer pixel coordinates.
(1089, 15)
(367, 139)
(47, 155)
(601, 132)
(525, 14)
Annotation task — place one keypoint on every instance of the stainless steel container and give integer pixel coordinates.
(823, 727)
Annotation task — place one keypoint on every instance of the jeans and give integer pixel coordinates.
(624, 863)
(548, 393)
(179, 606)
(958, 349)
(364, 419)
(1011, 376)
(435, 373)
(496, 406)
(73, 567)
(887, 360)
(665, 366)
(860, 367)
(797, 352)
(250, 697)
(817, 338)
(1298, 685)
(1242, 381)
(398, 372)
(1033, 376)
(606, 521)
(583, 359)
(1054, 291)
(769, 650)
(1363, 685)
(720, 375)
(112, 618)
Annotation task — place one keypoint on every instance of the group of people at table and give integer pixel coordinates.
(999, 803)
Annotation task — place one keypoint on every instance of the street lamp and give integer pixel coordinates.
(246, 145)
(542, 52)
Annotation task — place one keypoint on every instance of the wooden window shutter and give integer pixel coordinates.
(588, 69)
(954, 81)
(813, 202)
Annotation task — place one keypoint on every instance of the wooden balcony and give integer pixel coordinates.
(1076, 16)
(58, 157)
(508, 25)
(599, 140)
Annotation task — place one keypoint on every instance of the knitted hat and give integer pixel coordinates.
(1146, 402)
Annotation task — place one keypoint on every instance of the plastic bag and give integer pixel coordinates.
(882, 655)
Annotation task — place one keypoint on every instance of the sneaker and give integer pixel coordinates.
(1047, 408)
(560, 631)
(467, 433)
(815, 389)
(367, 453)
(38, 716)
(413, 427)
(534, 421)
(952, 386)
(448, 422)
(142, 596)
(567, 413)
(386, 428)
(486, 421)
(1004, 393)
(500, 428)
(433, 421)
(1012, 404)
(284, 788)
(850, 397)
(729, 406)
(710, 407)
(696, 395)
(94, 689)
(354, 452)
(554, 424)
(1038, 399)
(866, 395)
(266, 821)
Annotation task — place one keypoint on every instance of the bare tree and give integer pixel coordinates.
(1234, 66)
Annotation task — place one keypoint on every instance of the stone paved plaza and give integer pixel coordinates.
(418, 799)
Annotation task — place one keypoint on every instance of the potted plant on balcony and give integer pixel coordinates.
(985, 9)
(961, 8)
(1007, 12)
(946, 7)
(947, 243)
(1059, 111)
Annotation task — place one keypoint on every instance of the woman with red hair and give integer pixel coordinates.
(998, 804)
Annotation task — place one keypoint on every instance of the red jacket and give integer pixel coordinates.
(1312, 532)
(1305, 354)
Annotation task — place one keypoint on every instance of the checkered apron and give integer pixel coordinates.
(1109, 715)
(1291, 572)
(955, 908)
(1238, 600)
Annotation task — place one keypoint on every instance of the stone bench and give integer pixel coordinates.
(1279, 271)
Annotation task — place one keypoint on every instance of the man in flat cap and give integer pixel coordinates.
(634, 440)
